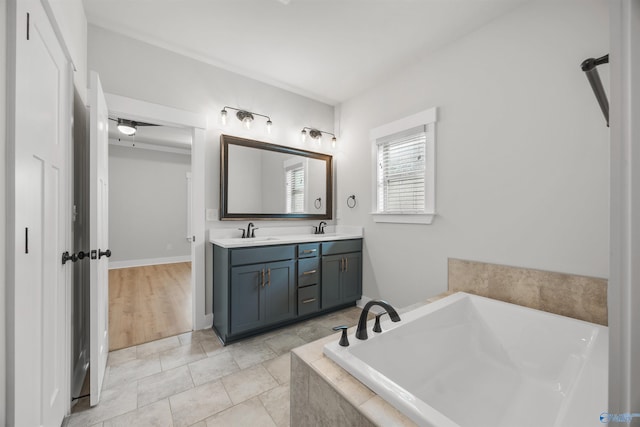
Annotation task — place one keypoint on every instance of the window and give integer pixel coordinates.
(404, 153)
(295, 189)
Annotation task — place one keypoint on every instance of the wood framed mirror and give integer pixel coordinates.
(260, 180)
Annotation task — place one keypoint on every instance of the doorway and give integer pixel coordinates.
(149, 232)
(196, 124)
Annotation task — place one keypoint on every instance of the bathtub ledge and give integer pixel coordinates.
(322, 393)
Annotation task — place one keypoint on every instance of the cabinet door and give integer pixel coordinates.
(280, 291)
(351, 283)
(331, 276)
(247, 298)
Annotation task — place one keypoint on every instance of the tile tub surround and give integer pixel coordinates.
(579, 297)
(324, 394)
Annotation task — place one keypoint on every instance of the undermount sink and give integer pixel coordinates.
(280, 236)
(253, 239)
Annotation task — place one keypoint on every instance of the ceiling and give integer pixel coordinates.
(328, 50)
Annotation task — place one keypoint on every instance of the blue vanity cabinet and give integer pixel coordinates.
(253, 288)
(341, 273)
(262, 294)
(308, 278)
(258, 288)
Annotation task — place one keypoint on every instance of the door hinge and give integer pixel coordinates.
(28, 18)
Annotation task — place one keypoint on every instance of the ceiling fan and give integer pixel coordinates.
(129, 127)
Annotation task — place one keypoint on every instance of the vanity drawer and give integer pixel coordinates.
(261, 254)
(308, 271)
(341, 246)
(308, 250)
(308, 300)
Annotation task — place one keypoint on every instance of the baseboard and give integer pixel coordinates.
(149, 261)
(205, 322)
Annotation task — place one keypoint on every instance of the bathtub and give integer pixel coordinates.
(466, 360)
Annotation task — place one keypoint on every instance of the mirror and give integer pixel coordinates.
(259, 180)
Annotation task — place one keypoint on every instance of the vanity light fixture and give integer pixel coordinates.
(127, 127)
(246, 117)
(316, 135)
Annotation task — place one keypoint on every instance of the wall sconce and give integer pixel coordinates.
(317, 135)
(246, 117)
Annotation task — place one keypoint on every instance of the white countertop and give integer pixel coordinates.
(282, 236)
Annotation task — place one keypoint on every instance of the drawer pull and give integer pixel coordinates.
(308, 300)
(309, 272)
(309, 251)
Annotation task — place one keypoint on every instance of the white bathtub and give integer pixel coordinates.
(471, 361)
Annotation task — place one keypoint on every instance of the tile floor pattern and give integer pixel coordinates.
(193, 380)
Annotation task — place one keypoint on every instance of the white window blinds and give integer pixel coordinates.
(295, 189)
(401, 171)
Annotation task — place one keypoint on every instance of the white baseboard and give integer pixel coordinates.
(149, 261)
(204, 323)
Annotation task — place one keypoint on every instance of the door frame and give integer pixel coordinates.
(143, 111)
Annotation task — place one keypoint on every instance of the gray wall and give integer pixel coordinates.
(147, 204)
(522, 150)
(159, 76)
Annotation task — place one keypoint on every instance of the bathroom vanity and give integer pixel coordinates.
(266, 282)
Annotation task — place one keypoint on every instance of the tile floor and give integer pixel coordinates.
(192, 380)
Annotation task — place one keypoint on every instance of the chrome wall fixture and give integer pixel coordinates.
(316, 135)
(246, 117)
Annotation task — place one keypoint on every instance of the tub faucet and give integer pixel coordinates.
(361, 330)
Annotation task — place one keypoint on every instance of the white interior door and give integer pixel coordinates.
(98, 235)
(42, 221)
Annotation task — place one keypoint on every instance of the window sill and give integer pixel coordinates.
(404, 218)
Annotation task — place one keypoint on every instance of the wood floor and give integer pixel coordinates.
(148, 303)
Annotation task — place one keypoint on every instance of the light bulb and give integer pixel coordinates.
(223, 117)
(127, 127)
(247, 122)
(304, 135)
(269, 123)
(333, 142)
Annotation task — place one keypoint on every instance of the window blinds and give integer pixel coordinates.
(401, 171)
(295, 190)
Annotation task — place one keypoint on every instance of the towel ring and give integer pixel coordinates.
(352, 204)
(318, 203)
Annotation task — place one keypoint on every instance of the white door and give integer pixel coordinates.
(42, 222)
(98, 235)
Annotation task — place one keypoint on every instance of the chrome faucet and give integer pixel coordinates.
(361, 330)
(320, 227)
